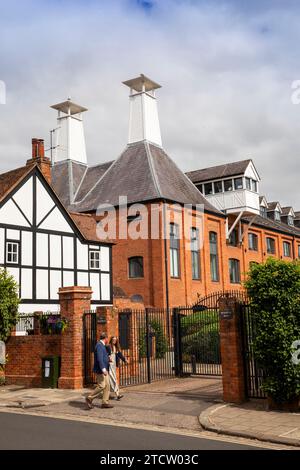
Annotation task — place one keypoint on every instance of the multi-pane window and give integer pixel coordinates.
(233, 238)
(238, 183)
(277, 216)
(12, 252)
(290, 220)
(94, 259)
(136, 267)
(208, 189)
(195, 253)
(214, 262)
(218, 187)
(263, 211)
(228, 185)
(252, 241)
(298, 251)
(248, 183)
(174, 250)
(287, 249)
(270, 245)
(234, 271)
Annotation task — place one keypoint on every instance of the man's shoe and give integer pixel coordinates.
(89, 403)
(119, 397)
(106, 405)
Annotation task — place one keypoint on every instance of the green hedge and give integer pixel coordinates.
(161, 344)
(274, 291)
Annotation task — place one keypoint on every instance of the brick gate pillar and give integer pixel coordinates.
(74, 301)
(231, 351)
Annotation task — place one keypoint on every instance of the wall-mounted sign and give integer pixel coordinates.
(2, 353)
(226, 314)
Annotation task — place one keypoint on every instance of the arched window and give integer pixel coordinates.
(136, 267)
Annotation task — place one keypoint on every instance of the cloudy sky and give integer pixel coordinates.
(226, 68)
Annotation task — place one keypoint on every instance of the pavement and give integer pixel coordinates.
(192, 404)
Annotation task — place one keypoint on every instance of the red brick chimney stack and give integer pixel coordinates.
(38, 156)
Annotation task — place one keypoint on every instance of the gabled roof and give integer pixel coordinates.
(273, 206)
(273, 225)
(85, 225)
(220, 171)
(297, 215)
(143, 172)
(287, 211)
(263, 201)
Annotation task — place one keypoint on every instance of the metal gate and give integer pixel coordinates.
(253, 373)
(92, 324)
(197, 337)
(146, 341)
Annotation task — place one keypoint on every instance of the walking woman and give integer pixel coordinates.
(115, 354)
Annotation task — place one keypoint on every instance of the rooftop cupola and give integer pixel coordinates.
(143, 115)
(68, 142)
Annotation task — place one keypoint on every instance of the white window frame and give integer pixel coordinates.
(94, 263)
(17, 244)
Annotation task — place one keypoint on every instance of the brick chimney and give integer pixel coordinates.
(38, 156)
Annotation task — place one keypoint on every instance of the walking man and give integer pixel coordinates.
(101, 368)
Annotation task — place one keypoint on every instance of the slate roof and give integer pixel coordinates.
(272, 205)
(286, 210)
(273, 225)
(66, 177)
(143, 172)
(220, 171)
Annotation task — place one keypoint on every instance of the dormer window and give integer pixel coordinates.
(290, 220)
(263, 211)
(277, 216)
(218, 187)
(228, 185)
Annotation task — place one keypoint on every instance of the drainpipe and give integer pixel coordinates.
(166, 262)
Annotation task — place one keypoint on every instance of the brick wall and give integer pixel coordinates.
(25, 353)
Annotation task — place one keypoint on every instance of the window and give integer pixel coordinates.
(254, 186)
(248, 183)
(124, 330)
(263, 211)
(136, 267)
(12, 252)
(277, 216)
(135, 217)
(233, 238)
(174, 250)
(290, 220)
(298, 251)
(287, 249)
(270, 245)
(195, 253)
(252, 241)
(238, 183)
(234, 271)
(228, 185)
(208, 189)
(214, 263)
(94, 259)
(218, 187)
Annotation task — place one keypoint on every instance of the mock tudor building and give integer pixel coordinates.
(43, 245)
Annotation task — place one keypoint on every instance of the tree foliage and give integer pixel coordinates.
(9, 302)
(274, 291)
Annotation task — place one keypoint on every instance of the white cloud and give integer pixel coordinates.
(226, 71)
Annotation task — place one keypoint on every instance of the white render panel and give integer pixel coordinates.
(10, 214)
(56, 221)
(82, 279)
(13, 234)
(55, 251)
(82, 256)
(44, 202)
(26, 283)
(2, 245)
(235, 201)
(26, 248)
(39, 307)
(104, 258)
(152, 129)
(42, 283)
(251, 172)
(15, 272)
(55, 284)
(42, 249)
(68, 278)
(105, 287)
(68, 252)
(95, 285)
(24, 199)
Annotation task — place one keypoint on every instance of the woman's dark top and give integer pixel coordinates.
(119, 355)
